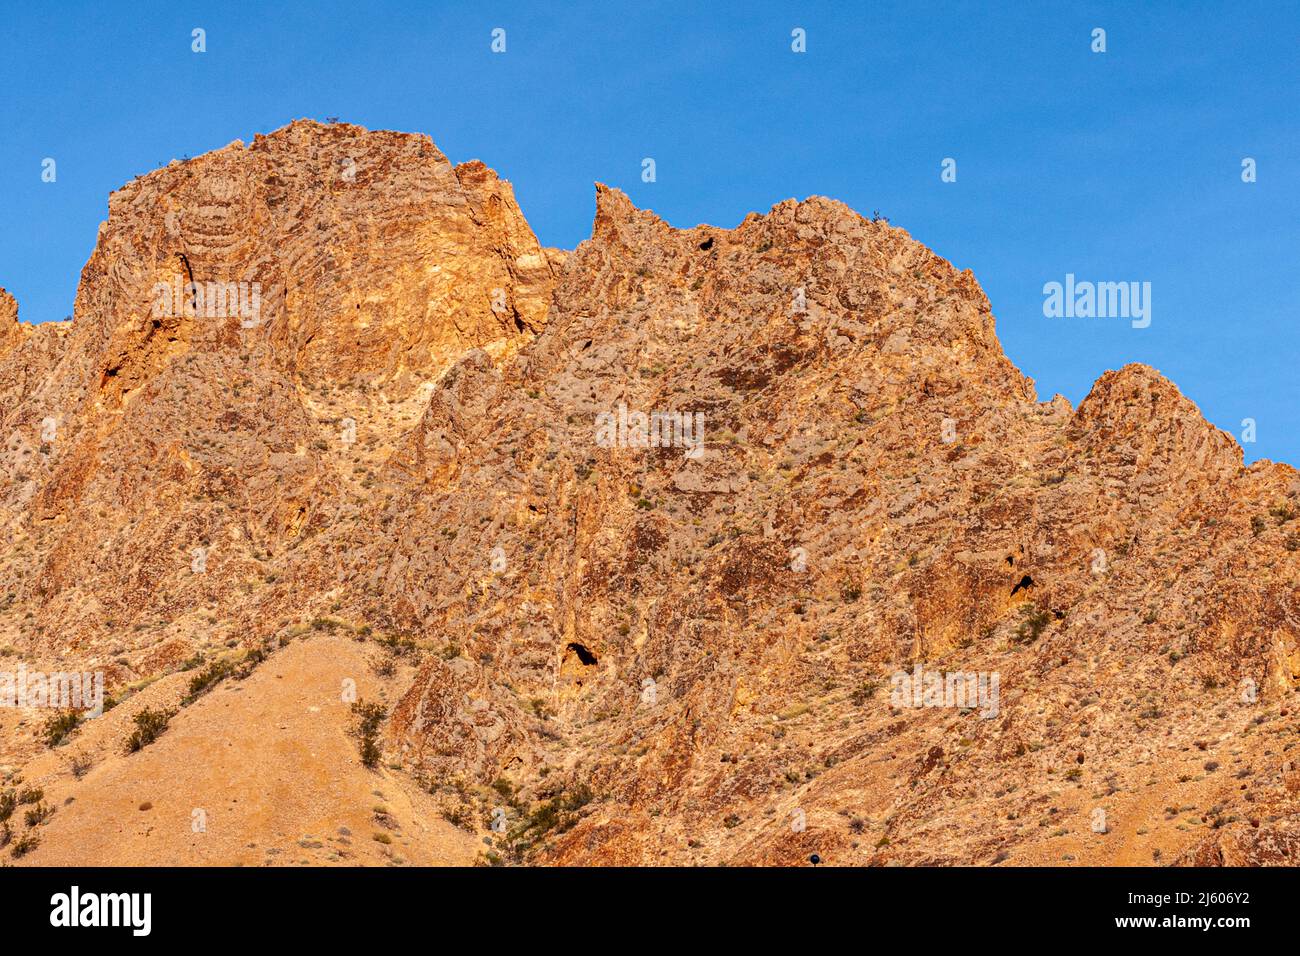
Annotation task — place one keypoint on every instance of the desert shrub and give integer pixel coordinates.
(38, 814)
(1032, 624)
(25, 845)
(864, 693)
(208, 678)
(81, 764)
(460, 816)
(253, 657)
(59, 726)
(1284, 513)
(506, 790)
(556, 815)
(369, 718)
(149, 726)
(401, 645)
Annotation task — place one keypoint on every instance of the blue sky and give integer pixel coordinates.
(1115, 166)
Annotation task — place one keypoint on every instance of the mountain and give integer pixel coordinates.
(638, 548)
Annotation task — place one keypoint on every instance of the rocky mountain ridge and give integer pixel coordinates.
(329, 386)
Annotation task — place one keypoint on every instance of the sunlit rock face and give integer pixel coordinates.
(685, 546)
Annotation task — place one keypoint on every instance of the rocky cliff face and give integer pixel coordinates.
(640, 540)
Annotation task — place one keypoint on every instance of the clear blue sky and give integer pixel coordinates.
(1117, 166)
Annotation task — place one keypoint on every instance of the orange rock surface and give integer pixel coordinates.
(325, 428)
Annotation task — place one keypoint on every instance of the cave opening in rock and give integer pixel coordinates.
(577, 664)
(707, 244)
(585, 656)
(1025, 584)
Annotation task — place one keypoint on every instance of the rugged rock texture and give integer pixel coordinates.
(11, 332)
(639, 655)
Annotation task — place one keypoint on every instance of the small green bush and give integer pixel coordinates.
(369, 718)
(38, 814)
(208, 678)
(59, 726)
(149, 726)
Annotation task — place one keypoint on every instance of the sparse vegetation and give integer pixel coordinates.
(369, 717)
(1284, 513)
(209, 677)
(38, 814)
(863, 693)
(556, 815)
(59, 726)
(1033, 622)
(81, 764)
(460, 816)
(149, 726)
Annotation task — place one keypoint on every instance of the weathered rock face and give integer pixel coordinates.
(244, 316)
(11, 332)
(660, 651)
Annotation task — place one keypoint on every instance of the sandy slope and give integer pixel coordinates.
(270, 762)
